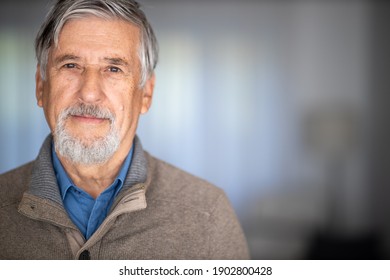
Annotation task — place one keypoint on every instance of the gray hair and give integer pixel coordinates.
(127, 10)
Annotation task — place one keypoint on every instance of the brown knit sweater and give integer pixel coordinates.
(161, 213)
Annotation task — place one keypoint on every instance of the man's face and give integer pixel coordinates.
(95, 66)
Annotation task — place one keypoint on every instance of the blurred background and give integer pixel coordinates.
(283, 104)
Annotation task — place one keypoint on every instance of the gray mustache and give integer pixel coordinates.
(89, 110)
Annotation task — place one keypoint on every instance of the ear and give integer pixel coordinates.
(147, 94)
(38, 86)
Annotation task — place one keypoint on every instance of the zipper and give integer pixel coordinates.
(121, 206)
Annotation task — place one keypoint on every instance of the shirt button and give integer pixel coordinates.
(85, 255)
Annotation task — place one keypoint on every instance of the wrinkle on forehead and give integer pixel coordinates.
(112, 40)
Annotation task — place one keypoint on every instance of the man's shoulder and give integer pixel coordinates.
(13, 183)
(169, 182)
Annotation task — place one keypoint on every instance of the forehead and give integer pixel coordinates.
(93, 35)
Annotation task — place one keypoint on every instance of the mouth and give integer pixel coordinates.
(88, 119)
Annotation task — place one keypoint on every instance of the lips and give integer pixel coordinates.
(88, 119)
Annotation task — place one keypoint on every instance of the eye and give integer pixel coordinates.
(69, 65)
(114, 69)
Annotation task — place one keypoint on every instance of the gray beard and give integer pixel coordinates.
(93, 151)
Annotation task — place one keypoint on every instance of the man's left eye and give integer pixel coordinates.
(114, 69)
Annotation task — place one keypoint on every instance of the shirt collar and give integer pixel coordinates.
(64, 182)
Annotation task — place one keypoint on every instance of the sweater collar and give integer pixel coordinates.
(44, 182)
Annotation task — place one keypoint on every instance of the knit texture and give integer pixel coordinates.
(185, 217)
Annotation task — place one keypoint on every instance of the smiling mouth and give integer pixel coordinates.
(88, 119)
(87, 114)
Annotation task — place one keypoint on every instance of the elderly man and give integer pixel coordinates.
(93, 192)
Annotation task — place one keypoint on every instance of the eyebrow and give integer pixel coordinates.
(110, 60)
(116, 61)
(66, 57)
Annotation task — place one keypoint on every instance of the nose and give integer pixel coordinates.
(91, 87)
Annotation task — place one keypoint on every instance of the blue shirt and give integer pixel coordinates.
(86, 212)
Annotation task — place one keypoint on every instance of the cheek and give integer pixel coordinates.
(48, 105)
(55, 101)
(52, 111)
(125, 99)
(127, 112)
(50, 115)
